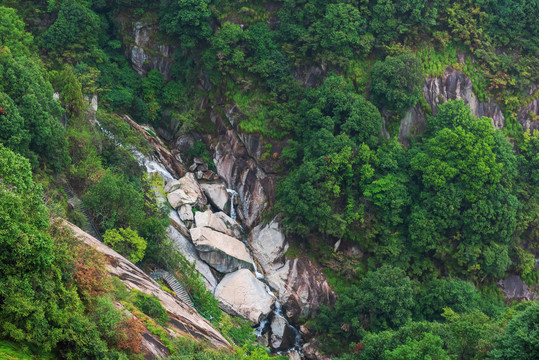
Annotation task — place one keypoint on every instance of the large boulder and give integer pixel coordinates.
(185, 212)
(219, 222)
(269, 245)
(241, 294)
(283, 336)
(217, 195)
(222, 252)
(187, 249)
(189, 193)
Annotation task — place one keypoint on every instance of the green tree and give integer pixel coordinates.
(383, 300)
(186, 19)
(466, 214)
(24, 81)
(520, 339)
(75, 27)
(396, 82)
(12, 33)
(115, 203)
(343, 30)
(428, 348)
(127, 242)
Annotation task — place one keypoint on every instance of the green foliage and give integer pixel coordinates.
(396, 82)
(33, 125)
(75, 27)
(430, 347)
(151, 306)
(460, 165)
(114, 202)
(12, 33)
(520, 337)
(187, 19)
(383, 300)
(127, 242)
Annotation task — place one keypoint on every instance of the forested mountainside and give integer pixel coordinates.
(303, 179)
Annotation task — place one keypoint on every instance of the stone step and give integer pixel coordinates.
(174, 285)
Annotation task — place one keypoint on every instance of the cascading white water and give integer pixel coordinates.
(232, 194)
(150, 164)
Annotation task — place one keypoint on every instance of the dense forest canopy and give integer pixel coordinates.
(438, 218)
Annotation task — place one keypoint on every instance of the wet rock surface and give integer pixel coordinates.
(283, 335)
(217, 195)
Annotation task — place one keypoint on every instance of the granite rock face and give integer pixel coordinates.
(222, 252)
(283, 335)
(453, 85)
(217, 195)
(241, 294)
(269, 245)
(144, 51)
(184, 320)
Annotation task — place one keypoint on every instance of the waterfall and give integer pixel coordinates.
(150, 164)
(232, 194)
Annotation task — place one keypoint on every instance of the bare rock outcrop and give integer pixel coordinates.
(236, 159)
(222, 252)
(283, 335)
(269, 245)
(456, 85)
(187, 249)
(142, 49)
(220, 222)
(453, 85)
(217, 196)
(527, 115)
(514, 288)
(188, 193)
(185, 320)
(241, 293)
(302, 288)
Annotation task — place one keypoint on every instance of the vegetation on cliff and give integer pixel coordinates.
(437, 222)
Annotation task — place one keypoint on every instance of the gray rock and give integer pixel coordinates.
(181, 315)
(413, 123)
(186, 213)
(283, 335)
(189, 193)
(217, 195)
(187, 249)
(269, 245)
(171, 186)
(515, 289)
(241, 294)
(216, 222)
(456, 85)
(526, 111)
(303, 289)
(222, 252)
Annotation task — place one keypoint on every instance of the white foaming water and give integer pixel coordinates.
(150, 164)
(233, 194)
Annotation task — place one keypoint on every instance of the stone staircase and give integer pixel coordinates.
(77, 205)
(173, 283)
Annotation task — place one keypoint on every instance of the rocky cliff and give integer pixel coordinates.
(453, 85)
(184, 320)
